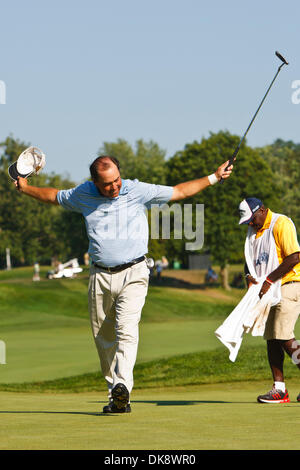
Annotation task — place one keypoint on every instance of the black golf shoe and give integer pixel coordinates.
(111, 408)
(120, 397)
(298, 397)
(274, 396)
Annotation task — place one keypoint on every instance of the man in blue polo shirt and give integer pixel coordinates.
(117, 229)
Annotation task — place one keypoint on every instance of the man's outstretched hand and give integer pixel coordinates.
(223, 172)
(21, 184)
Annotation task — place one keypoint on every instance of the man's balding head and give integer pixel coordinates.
(106, 175)
(102, 163)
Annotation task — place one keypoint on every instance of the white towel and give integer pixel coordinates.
(249, 316)
(261, 256)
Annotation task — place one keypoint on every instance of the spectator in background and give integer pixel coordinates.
(211, 276)
(36, 272)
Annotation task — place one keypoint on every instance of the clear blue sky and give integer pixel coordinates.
(79, 73)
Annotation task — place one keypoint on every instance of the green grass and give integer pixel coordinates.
(50, 347)
(183, 370)
(65, 297)
(46, 327)
(206, 417)
(165, 303)
(68, 297)
(187, 394)
(48, 350)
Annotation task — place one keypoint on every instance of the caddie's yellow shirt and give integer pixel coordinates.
(286, 242)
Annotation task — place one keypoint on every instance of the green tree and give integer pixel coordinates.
(32, 230)
(284, 160)
(146, 161)
(252, 176)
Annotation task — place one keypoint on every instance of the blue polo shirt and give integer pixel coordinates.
(117, 228)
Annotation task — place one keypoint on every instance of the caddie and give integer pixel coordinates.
(272, 252)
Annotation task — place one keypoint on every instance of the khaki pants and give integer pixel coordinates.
(115, 305)
(283, 316)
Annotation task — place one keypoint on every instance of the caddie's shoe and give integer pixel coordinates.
(298, 397)
(120, 397)
(274, 396)
(111, 408)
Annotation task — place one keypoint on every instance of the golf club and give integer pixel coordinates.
(232, 158)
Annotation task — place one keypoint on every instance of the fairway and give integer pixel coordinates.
(187, 394)
(200, 417)
(47, 329)
(63, 351)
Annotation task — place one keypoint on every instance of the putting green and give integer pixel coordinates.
(209, 417)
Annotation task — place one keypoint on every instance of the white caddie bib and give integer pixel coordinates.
(261, 255)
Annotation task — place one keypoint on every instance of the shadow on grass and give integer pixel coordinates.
(173, 402)
(52, 412)
(151, 402)
(167, 281)
(177, 403)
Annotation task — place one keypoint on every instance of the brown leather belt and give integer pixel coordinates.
(120, 267)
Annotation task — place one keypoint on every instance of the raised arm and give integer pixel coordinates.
(190, 188)
(47, 195)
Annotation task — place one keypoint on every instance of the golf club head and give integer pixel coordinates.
(281, 58)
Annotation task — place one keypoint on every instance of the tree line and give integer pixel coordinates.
(36, 232)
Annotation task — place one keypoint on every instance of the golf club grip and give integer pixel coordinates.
(230, 161)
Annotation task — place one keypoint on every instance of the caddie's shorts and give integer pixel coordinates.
(283, 316)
